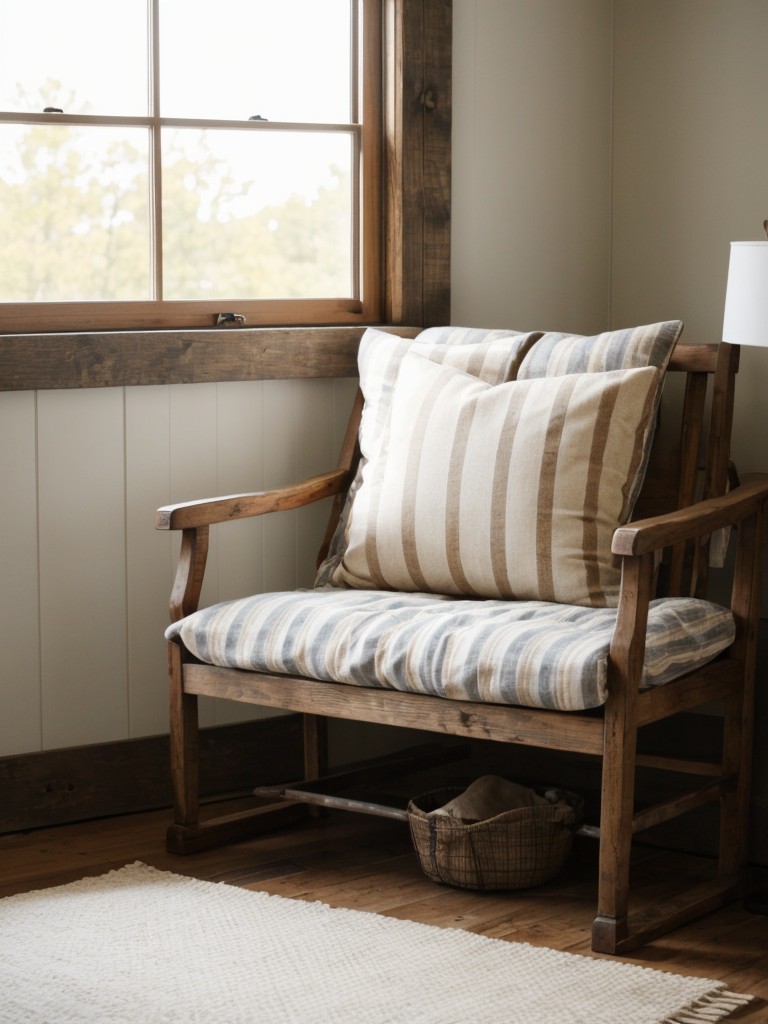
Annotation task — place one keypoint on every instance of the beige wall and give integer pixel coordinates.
(605, 154)
(531, 163)
(690, 160)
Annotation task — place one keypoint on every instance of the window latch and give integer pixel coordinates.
(229, 319)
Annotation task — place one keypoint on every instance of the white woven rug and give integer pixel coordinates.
(141, 946)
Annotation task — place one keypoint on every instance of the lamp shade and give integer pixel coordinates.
(745, 321)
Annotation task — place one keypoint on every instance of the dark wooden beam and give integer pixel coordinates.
(127, 358)
(418, 160)
(103, 779)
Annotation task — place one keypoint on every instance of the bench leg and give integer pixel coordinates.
(184, 743)
(188, 834)
(614, 930)
(315, 746)
(610, 926)
(734, 804)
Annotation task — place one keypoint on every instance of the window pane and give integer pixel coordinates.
(285, 60)
(258, 214)
(74, 207)
(83, 56)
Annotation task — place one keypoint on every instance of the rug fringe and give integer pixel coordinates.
(710, 1009)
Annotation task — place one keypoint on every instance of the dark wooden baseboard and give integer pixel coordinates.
(104, 779)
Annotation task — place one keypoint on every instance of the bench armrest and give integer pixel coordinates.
(647, 535)
(207, 511)
(638, 543)
(194, 518)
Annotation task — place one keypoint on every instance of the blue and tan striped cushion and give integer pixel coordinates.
(525, 653)
(630, 348)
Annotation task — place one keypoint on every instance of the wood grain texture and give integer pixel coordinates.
(205, 512)
(364, 863)
(131, 358)
(418, 161)
(73, 784)
(552, 729)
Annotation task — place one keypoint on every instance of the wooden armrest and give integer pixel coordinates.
(697, 520)
(206, 511)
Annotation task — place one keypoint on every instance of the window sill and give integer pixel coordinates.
(134, 358)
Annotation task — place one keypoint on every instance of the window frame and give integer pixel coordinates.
(365, 130)
(416, 190)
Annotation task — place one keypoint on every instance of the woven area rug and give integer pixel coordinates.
(142, 946)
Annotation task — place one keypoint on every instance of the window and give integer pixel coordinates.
(164, 161)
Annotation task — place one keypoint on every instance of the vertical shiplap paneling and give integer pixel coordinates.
(316, 453)
(193, 474)
(149, 555)
(240, 460)
(20, 727)
(240, 469)
(107, 459)
(280, 440)
(82, 566)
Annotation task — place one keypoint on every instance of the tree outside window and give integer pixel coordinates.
(164, 159)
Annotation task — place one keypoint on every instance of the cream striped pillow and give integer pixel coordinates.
(511, 491)
(490, 355)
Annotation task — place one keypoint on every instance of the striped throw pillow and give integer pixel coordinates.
(556, 354)
(512, 491)
(490, 355)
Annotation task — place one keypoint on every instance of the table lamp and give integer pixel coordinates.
(745, 321)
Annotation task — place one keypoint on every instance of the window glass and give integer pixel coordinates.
(82, 56)
(283, 61)
(189, 151)
(250, 213)
(74, 209)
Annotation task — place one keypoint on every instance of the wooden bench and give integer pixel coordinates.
(687, 497)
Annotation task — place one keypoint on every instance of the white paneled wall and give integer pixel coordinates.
(81, 566)
(85, 577)
(20, 724)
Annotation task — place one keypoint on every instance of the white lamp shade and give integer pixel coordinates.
(745, 321)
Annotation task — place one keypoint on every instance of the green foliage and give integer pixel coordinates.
(75, 209)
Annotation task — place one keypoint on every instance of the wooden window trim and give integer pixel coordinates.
(362, 300)
(417, 124)
(415, 242)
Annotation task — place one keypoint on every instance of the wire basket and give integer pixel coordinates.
(513, 850)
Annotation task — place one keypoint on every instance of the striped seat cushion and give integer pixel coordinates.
(512, 491)
(525, 653)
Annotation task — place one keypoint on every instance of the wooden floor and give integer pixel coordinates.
(347, 860)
